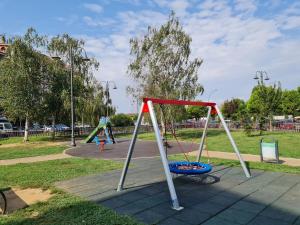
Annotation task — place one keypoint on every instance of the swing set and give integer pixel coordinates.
(182, 167)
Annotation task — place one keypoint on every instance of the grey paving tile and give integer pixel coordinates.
(223, 200)
(263, 220)
(218, 221)
(209, 207)
(165, 209)
(113, 203)
(237, 216)
(249, 206)
(172, 221)
(149, 217)
(132, 196)
(192, 216)
(297, 222)
(277, 213)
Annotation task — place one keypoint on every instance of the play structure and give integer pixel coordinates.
(103, 126)
(186, 167)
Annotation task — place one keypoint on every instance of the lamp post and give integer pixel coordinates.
(107, 96)
(84, 59)
(260, 76)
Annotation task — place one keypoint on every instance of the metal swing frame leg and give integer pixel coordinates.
(174, 199)
(246, 171)
(130, 150)
(204, 134)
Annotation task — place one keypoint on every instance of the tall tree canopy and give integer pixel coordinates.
(233, 109)
(22, 73)
(264, 102)
(161, 66)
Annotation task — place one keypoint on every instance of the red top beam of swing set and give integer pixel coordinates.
(178, 102)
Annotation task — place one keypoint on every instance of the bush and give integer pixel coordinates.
(121, 120)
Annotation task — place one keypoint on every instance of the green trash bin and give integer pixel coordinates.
(269, 151)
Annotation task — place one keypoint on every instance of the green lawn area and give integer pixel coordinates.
(62, 208)
(16, 140)
(289, 143)
(28, 150)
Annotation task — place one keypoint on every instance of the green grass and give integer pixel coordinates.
(16, 140)
(62, 208)
(217, 140)
(44, 174)
(252, 165)
(29, 150)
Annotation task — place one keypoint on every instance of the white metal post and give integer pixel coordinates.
(204, 134)
(233, 143)
(175, 203)
(130, 150)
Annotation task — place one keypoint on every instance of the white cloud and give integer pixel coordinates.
(98, 22)
(93, 7)
(231, 39)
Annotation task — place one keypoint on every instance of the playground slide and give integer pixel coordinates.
(93, 134)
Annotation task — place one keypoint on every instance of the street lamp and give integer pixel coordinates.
(85, 59)
(107, 83)
(262, 76)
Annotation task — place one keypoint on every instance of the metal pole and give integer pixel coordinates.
(233, 143)
(106, 97)
(175, 203)
(204, 134)
(130, 150)
(72, 99)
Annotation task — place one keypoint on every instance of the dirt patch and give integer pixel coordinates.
(21, 198)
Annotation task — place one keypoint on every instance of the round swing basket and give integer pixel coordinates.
(189, 168)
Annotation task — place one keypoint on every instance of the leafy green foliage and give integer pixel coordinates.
(161, 66)
(233, 109)
(122, 120)
(196, 112)
(264, 102)
(290, 104)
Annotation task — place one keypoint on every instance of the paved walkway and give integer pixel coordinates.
(225, 196)
(34, 159)
(246, 157)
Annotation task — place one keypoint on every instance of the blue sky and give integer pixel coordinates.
(235, 38)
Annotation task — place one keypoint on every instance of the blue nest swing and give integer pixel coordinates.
(195, 168)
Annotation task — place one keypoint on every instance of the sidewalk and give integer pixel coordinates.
(34, 159)
(246, 157)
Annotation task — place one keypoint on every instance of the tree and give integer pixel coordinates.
(264, 102)
(196, 112)
(233, 109)
(21, 72)
(87, 91)
(121, 120)
(161, 66)
(290, 104)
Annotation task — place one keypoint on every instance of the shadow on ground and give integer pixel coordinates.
(223, 197)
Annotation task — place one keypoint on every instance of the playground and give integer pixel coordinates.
(224, 196)
(169, 181)
(200, 193)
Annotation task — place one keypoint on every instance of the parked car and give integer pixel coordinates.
(5, 125)
(61, 127)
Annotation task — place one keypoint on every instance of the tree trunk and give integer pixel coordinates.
(53, 126)
(25, 139)
(270, 124)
